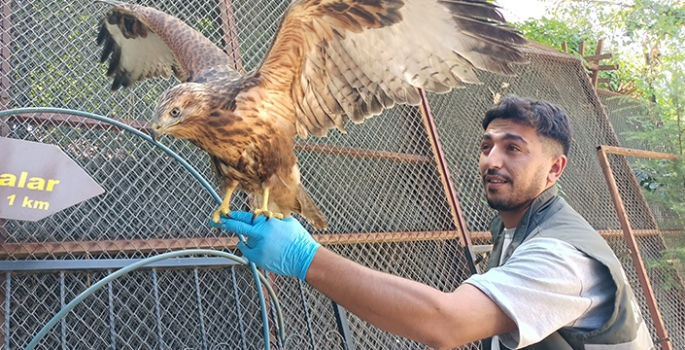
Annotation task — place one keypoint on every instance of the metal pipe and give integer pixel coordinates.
(183, 162)
(646, 285)
(158, 314)
(198, 300)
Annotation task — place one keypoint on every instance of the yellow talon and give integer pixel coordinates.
(224, 207)
(267, 213)
(263, 209)
(216, 217)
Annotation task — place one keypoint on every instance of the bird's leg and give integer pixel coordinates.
(263, 210)
(224, 207)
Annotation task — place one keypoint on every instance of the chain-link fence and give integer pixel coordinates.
(380, 187)
(630, 118)
(561, 79)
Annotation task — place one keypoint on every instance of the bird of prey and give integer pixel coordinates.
(331, 61)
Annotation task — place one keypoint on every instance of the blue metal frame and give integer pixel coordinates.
(343, 327)
(109, 264)
(43, 266)
(185, 164)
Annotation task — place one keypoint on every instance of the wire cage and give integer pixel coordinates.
(401, 193)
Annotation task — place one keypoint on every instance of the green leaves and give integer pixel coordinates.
(553, 32)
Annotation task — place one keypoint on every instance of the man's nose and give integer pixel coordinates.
(493, 159)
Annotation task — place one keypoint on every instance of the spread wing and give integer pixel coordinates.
(348, 60)
(143, 43)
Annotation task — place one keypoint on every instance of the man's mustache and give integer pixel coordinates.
(494, 172)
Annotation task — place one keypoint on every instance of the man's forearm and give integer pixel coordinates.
(392, 303)
(404, 307)
(384, 300)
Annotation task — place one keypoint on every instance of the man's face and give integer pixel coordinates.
(515, 164)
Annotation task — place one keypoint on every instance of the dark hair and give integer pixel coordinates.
(548, 119)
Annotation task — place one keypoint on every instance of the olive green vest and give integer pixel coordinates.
(550, 216)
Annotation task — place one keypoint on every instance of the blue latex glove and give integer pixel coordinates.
(280, 246)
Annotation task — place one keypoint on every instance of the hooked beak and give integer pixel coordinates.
(153, 133)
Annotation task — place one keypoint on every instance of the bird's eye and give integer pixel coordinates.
(175, 112)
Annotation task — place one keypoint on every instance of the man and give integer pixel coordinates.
(553, 282)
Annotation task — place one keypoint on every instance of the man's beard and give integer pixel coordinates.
(513, 202)
(505, 205)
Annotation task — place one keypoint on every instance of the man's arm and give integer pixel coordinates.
(401, 306)
(408, 308)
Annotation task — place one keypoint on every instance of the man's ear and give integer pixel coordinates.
(557, 168)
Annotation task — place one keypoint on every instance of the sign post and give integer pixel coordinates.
(38, 180)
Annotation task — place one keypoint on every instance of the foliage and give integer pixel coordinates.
(672, 260)
(555, 33)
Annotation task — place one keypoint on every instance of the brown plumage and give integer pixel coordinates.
(331, 61)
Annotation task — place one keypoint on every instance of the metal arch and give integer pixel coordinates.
(183, 162)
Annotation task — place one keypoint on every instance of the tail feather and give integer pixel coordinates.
(309, 210)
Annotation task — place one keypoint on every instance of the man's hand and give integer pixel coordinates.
(280, 246)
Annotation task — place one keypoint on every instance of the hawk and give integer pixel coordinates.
(331, 61)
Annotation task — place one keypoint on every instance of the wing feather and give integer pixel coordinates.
(144, 43)
(348, 60)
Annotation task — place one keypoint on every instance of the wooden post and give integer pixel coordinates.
(595, 72)
(645, 284)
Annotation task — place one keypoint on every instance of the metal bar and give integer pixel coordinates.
(486, 236)
(62, 303)
(198, 300)
(5, 52)
(107, 264)
(385, 237)
(230, 34)
(76, 121)
(443, 168)
(622, 151)
(158, 313)
(5, 60)
(271, 310)
(112, 334)
(238, 312)
(647, 290)
(24, 250)
(307, 317)
(343, 327)
(6, 315)
(36, 250)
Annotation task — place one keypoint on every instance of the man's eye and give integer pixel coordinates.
(513, 148)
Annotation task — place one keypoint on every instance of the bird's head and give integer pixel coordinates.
(177, 108)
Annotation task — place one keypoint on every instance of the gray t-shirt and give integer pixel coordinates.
(546, 285)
